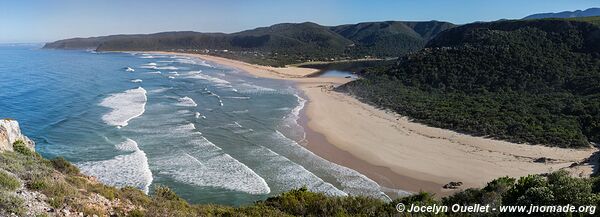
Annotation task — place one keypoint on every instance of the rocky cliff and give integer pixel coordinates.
(10, 132)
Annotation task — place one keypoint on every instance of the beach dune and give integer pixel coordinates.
(401, 154)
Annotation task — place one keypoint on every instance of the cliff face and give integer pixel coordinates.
(10, 132)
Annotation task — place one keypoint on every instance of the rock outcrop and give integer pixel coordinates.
(10, 132)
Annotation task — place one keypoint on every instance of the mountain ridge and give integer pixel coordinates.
(590, 12)
(278, 44)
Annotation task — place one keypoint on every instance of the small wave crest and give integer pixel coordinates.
(166, 68)
(215, 80)
(186, 101)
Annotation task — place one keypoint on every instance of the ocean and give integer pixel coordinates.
(211, 133)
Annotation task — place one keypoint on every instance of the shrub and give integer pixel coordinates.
(8, 182)
(57, 191)
(10, 203)
(64, 166)
(20, 147)
(104, 190)
(37, 184)
(164, 192)
(136, 196)
(136, 213)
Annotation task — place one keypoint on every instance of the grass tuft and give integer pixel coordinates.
(8, 182)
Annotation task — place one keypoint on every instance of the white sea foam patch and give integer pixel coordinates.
(186, 101)
(136, 81)
(199, 115)
(148, 67)
(155, 72)
(124, 170)
(129, 69)
(352, 182)
(193, 62)
(160, 90)
(205, 164)
(167, 68)
(125, 106)
(248, 88)
(290, 175)
(216, 81)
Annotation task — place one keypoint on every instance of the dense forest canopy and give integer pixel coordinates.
(535, 81)
(280, 44)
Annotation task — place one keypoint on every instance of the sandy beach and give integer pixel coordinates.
(401, 154)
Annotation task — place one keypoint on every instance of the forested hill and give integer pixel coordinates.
(535, 81)
(281, 43)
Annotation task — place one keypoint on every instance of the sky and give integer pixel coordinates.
(24, 21)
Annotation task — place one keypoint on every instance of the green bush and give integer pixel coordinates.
(8, 182)
(20, 147)
(37, 184)
(10, 203)
(64, 166)
(136, 196)
(136, 213)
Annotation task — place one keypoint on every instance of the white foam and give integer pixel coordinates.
(194, 72)
(125, 106)
(160, 90)
(186, 101)
(237, 124)
(247, 88)
(155, 72)
(193, 61)
(217, 81)
(352, 182)
(240, 111)
(167, 68)
(198, 115)
(289, 175)
(150, 64)
(136, 81)
(299, 107)
(148, 67)
(205, 164)
(171, 77)
(123, 170)
(129, 69)
(236, 97)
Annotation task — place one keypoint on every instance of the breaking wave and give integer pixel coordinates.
(125, 106)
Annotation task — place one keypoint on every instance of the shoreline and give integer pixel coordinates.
(398, 153)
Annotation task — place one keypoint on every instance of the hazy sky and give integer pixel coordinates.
(49, 20)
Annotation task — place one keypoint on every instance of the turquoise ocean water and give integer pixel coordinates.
(212, 133)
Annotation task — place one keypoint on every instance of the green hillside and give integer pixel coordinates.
(531, 81)
(279, 44)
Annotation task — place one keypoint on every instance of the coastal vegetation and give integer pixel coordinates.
(279, 44)
(533, 81)
(66, 190)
